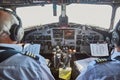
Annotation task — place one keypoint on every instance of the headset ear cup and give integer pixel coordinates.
(16, 32)
(20, 34)
(13, 32)
(115, 38)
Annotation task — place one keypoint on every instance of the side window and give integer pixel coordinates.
(117, 16)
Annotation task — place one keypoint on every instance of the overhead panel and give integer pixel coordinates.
(17, 3)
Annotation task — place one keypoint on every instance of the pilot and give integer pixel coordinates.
(105, 68)
(13, 64)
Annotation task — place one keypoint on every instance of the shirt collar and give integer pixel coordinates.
(14, 46)
(115, 54)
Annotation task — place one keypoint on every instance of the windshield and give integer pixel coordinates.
(96, 15)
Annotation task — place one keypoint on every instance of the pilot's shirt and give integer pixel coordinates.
(102, 71)
(22, 67)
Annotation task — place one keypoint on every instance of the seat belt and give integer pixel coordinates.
(6, 54)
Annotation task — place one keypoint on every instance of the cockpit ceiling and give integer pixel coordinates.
(20, 3)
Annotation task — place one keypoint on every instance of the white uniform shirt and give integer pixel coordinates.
(104, 71)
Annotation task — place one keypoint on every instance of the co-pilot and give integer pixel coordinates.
(109, 69)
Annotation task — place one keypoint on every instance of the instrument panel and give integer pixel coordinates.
(74, 36)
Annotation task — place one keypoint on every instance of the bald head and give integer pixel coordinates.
(10, 26)
(6, 21)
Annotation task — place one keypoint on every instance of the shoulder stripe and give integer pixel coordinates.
(31, 55)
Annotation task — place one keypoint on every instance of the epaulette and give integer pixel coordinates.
(102, 60)
(31, 55)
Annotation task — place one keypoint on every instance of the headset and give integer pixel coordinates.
(16, 30)
(116, 34)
